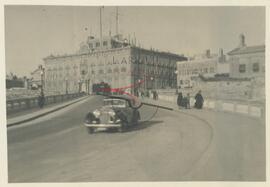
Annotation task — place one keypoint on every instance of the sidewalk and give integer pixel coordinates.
(239, 109)
(41, 112)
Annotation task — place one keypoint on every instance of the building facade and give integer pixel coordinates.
(247, 61)
(241, 77)
(118, 63)
(207, 65)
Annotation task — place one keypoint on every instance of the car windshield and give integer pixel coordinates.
(115, 102)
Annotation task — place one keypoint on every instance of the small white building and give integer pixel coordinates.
(207, 65)
(247, 61)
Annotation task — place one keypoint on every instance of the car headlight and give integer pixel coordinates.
(97, 113)
(111, 113)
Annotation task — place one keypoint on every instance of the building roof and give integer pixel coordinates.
(182, 57)
(117, 49)
(247, 49)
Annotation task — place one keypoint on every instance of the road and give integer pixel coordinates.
(172, 146)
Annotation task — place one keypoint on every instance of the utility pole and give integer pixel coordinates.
(116, 21)
(100, 19)
(134, 38)
(110, 28)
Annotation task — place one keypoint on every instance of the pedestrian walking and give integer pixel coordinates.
(147, 94)
(199, 100)
(41, 100)
(142, 94)
(179, 99)
(156, 95)
(188, 101)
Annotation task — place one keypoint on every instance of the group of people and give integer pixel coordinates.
(146, 93)
(185, 101)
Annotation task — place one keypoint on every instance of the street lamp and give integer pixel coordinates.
(41, 79)
(176, 73)
(152, 81)
(66, 79)
(139, 82)
(137, 89)
(79, 83)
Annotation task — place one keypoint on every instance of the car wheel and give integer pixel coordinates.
(122, 129)
(136, 118)
(139, 116)
(90, 130)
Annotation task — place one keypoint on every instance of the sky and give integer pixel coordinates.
(34, 32)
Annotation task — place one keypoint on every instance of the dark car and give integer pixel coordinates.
(116, 113)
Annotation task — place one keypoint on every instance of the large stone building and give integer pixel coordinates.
(112, 60)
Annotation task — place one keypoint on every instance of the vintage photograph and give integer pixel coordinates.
(135, 93)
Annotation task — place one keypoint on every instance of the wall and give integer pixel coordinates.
(238, 107)
(248, 60)
(241, 90)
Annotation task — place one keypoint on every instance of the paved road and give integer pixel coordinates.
(172, 146)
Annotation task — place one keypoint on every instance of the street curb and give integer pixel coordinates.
(44, 114)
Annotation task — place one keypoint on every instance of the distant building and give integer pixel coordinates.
(241, 77)
(247, 61)
(112, 60)
(12, 81)
(206, 64)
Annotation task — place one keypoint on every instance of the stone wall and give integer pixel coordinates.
(244, 90)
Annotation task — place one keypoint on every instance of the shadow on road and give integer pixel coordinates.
(145, 124)
(142, 125)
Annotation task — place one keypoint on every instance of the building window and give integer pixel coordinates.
(256, 67)
(186, 81)
(205, 70)
(100, 71)
(110, 71)
(181, 82)
(123, 69)
(97, 44)
(105, 43)
(212, 70)
(90, 45)
(195, 71)
(242, 68)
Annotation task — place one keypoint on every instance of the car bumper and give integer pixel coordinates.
(109, 125)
